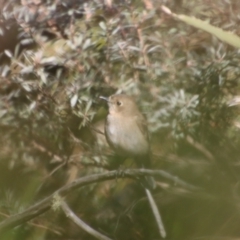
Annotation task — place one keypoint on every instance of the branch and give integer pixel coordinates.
(156, 214)
(45, 204)
(69, 213)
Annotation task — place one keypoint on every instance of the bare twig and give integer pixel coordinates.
(37, 225)
(96, 130)
(70, 214)
(45, 204)
(156, 213)
(45, 150)
(200, 148)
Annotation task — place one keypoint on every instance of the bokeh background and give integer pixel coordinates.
(58, 57)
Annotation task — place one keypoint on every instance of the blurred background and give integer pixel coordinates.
(58, 57)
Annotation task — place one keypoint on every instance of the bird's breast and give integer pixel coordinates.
(125, 136)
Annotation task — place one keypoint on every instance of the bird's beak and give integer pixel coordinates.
(104, 98)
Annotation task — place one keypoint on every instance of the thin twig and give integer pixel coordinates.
(156, 214)
(45, 204)
(70, 214)
(200, 148)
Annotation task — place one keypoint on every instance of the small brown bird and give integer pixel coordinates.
(126, 129)
(126, 132)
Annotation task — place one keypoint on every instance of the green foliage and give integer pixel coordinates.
(66, 55)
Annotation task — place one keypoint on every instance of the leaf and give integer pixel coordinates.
(8, 53)
(134, 48)
(152, 49)
(5, 71)
(1, 32)
(87, 44)
(225, 36)
(89, 104)
(3, 112)
(103, 26)
(73, 100)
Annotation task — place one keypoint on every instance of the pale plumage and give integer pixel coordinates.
(126, 129)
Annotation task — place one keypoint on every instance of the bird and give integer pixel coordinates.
(127, 134)
(126, 129)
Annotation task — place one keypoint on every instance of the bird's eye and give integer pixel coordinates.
(119, 103)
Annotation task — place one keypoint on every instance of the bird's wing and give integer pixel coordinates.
(145, 159)
(142, 124)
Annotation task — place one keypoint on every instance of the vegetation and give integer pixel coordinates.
(58, 57)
